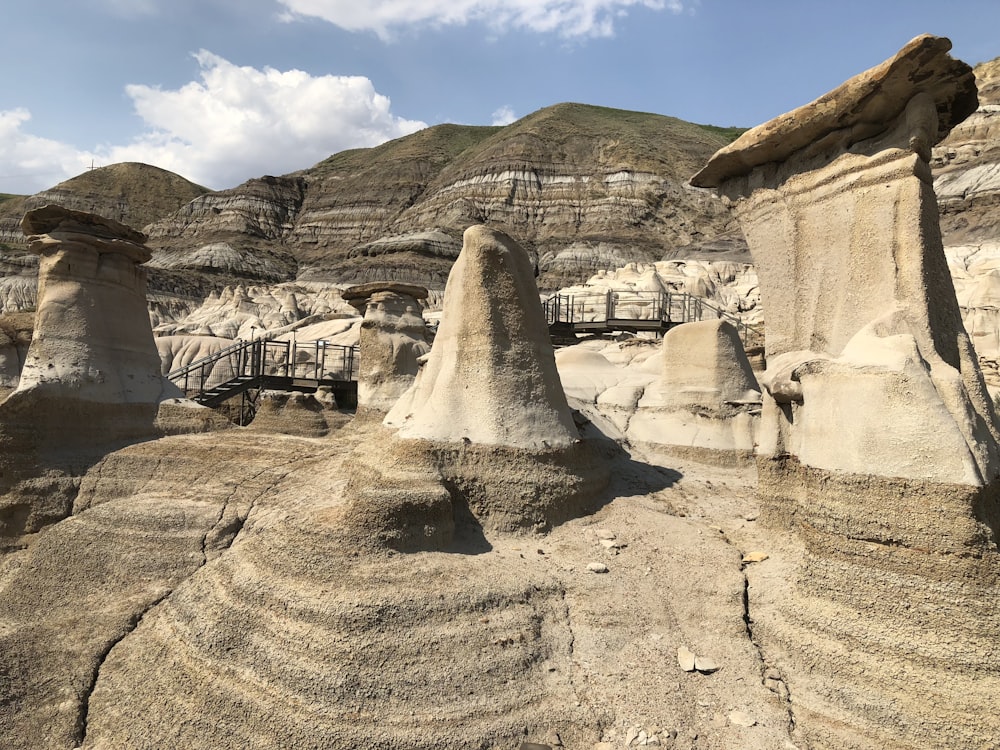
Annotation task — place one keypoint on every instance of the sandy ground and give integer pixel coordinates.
(601, 669)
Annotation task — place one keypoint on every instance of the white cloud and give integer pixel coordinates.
(233, 124)
(503, 116)
(568, 18)
(28, 163)
(238, 122)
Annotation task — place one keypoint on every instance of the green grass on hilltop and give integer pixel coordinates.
(730, 134)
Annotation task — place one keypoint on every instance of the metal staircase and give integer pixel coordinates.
(272, 365)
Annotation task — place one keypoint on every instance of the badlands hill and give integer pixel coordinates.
(581, 187)
(134, 194)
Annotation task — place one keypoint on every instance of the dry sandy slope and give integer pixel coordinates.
(163, 635)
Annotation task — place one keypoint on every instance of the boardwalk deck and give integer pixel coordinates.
(598, 313)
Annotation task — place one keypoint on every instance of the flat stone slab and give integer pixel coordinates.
(856, 110)
(360, 292)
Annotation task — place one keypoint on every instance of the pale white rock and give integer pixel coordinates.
(686, 659)
(490, 376)
(392, 342)
(707, 395)
(705, 664)
(741, 719)
(597, 567)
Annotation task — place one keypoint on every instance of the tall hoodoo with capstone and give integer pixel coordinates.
(878, 442)
(93, 339)
(392, 341)
(91, 378)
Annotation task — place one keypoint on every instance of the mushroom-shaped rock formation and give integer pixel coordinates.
(878, 442)
(707, 398)
(92, 340)
(485, 437)
(91, 376)
(393, 338)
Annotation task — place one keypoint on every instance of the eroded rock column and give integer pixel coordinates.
(484, 439)
(91, 378)
(92, 338)
(878, 444)
(393, 339)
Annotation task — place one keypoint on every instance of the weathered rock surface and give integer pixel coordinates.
(91, 375)
(484, 436)
(490, 377)
(706, 400)
(967, 167)
(878, 445)
(392, 342)
(15, 336)
(174, 594)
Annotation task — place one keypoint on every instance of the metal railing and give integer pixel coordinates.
(608, 310)
(260, 359)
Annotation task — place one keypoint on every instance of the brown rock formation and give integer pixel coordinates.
(967, 168)
(576, 185)
(130, 193)
(878, 443)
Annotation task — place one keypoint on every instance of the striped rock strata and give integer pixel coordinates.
(878, 444)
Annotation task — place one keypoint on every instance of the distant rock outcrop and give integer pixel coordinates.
(130, 193)
(575, 185)
(878, 444)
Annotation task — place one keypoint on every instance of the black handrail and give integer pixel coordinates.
(595, 308)
(249, 363)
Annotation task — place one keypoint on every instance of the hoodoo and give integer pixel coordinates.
(878, 443)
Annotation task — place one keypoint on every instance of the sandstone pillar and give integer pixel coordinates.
(92, 339)
(491, 375)
(393, 339)
(91, 379)
(878, 444)
(484, 439)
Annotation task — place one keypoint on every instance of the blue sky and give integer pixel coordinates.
(220, 91)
